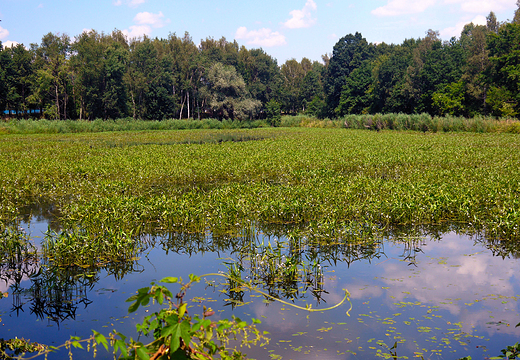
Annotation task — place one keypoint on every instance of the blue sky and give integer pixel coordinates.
(284, 29)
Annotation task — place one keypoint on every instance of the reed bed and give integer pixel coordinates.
(322, 179)
(392, 121)
(43, 126)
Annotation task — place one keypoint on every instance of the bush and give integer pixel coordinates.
(273, 112)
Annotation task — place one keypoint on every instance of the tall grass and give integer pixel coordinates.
(414, 122)
(128, 124)
(427, 123)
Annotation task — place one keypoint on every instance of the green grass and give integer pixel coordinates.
(414, 122)
(44, 126)
(319, 179)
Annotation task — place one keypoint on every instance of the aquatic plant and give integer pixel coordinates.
(80, 248)
(325, 180)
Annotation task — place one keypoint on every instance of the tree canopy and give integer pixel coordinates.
(96, 75)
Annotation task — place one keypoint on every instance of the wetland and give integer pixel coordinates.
(422, 230)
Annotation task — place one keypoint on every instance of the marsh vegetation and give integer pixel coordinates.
(296, 213)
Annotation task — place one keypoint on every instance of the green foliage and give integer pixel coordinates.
(501, 102)
(355, 95)
(81, 248)
(156, 182)
(15, 246)
(179, 335)
(504, 72)
(127, 124)
(227, 94)
(348, 54)
(449, 99)
(273, 113)
(17, 348)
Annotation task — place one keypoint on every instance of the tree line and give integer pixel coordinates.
(107, 76)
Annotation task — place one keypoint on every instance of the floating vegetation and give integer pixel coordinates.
(211, 138)
(83, 249)
(297, 176)
(15, 246)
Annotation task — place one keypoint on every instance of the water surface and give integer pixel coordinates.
(439, 297)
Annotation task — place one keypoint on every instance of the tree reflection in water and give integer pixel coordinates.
(286, 262)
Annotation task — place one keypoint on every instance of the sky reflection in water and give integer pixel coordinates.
(453, 299)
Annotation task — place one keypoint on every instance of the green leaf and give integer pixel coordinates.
(160, 298)
(178, 331)
(76, 344)
(121, 345)
(182, 310)
(194, 278)
(141, 353)
(142, 298)
(100, 339)
(170, 280)
(133, 307)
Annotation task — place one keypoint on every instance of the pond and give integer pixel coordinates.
(436, 293)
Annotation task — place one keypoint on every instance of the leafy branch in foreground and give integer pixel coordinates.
(181, 336)
(176, 333)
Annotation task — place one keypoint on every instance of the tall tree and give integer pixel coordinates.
(53, 84)
(389, 76)
(87, 64)
(115, 99)
(187, 68)
(22, 77)
(355, 95)
(227, 94)
(473, 77)
(504, 73)
(348, 54)
(292, 74)
(516, 18)
(5, 64)
(492, 22)
(311, 87)
(261, 74)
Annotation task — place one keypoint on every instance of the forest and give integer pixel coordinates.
(107, 76)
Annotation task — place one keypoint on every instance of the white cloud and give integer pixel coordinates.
(302, 18)
(145, 21)
(263, 37)
(130, 3)
(482, 6)
(455, 281)
(40, 6)
(137, 31)
(146, 18)
(449, 32)
(3, 33)
(9, 44)
(401, 7)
